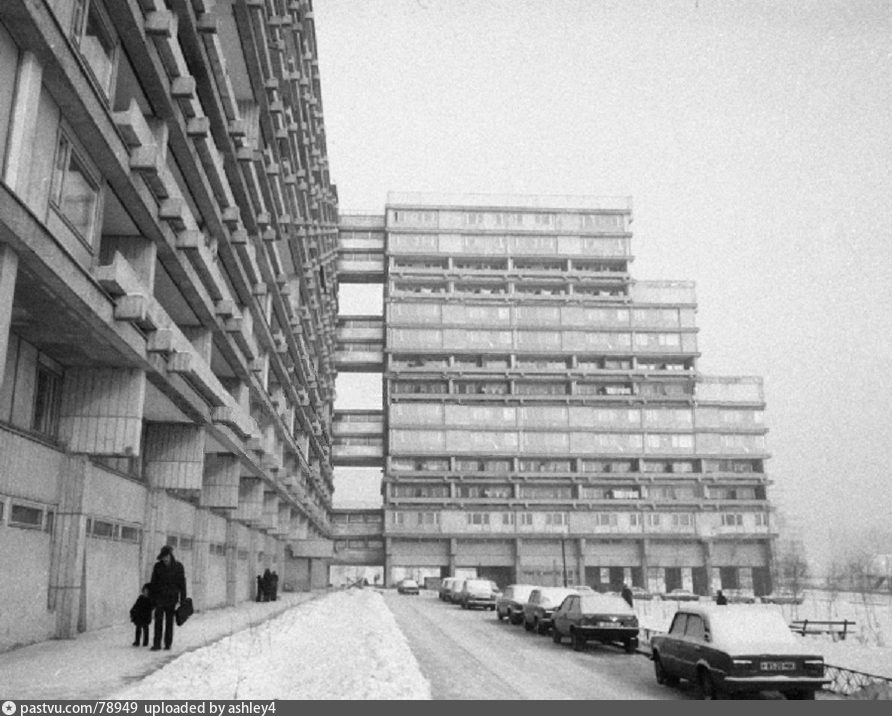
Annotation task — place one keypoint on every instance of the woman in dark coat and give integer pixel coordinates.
(267, 585)
(167, 587)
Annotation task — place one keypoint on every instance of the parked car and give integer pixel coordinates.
(736, 649)
(478, 593)
(782, 599)
(581, 588)
(445, 586)
(407, 586)
(455, 591)
(595, 617)
(738, 596)
(538, 610)
(640, 593)
(510, 604)
(681, 595)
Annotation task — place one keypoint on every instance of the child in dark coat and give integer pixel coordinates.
(141, 615)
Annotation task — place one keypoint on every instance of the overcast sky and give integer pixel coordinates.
(755, 139)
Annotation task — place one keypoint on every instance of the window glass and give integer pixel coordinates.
(26, 516)
(47, 398)
(74, 193)
(695, 627)
(678, 624)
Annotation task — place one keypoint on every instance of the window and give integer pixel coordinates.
(682, 519)
(75, 191)
(634, 519)
(653, 520)
(47, 399)
(478, 518)
(678, 624)
(695, 628)
(101, 528)
(606, 519)
(761, 519)
(732, 519)
(26, 516)
(526, 519)
(428, 518)
(507, 518)
(185, 543)
(557, 519)
(95, 40)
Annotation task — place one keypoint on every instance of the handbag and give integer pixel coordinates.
(184, 611)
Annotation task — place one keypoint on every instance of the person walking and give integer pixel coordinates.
(626, 594)
(267, 584)
(167, 587)
(720, 598)
(259, 588)
(274, 586)
(141, 616)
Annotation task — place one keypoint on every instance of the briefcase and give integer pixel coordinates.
(184, 611)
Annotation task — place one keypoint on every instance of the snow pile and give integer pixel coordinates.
(344, 646)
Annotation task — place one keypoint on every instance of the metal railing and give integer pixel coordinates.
(849, 682)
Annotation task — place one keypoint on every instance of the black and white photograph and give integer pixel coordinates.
(444, 350)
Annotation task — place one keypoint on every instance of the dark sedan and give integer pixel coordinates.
(737, 649)
(408, 586)
(596, 617)
(538, 610)
(510, 604)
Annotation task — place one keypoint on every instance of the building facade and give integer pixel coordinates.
(545, 419)
(167, 304)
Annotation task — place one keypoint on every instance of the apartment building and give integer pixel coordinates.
(168, 296)
(545, 419)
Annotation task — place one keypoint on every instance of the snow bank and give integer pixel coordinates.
(343, 646)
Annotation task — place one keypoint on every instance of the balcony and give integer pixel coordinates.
(357, 452)
(361, 249)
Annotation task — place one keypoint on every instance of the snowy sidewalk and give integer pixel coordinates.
(99, 663)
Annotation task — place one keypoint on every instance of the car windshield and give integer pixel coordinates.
(748, 626)
(603, 604)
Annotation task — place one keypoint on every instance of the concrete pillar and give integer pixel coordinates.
(518, 554)
(388, 562)
(9, 264)
(220, 486)
(232, 563)
(101, 412)
(645, 566)
(580, 560)
(23, 124)
(254, 567)
(707, 563)
(68, 547)
(202, 341)
(174, 456)
(200, 558)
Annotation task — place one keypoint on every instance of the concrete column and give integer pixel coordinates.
(202, 341)
(388, 562)
(102, 410)
(518, 553)
(68, 547)
(200, 558)
(9, 264)
(231, 563)
(254, 567)
(154, 535)
(580, 560)
(23, 124)
(174, 455)
(220, 486)
(643, 545)
(707, 562)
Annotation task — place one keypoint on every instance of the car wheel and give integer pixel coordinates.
(527, 625)
(663, 678)
(708, 689)
(515, 619)
(556, 636)
(499, 614)
(630, 645)
(541, 628)
(577, 641)
(806, 695)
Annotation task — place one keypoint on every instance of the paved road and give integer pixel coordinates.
(472, 655)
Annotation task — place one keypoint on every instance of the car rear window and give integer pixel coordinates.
(604, 603)
(478, 584)
(746, 625)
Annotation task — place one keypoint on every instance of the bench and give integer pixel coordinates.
(837, 629)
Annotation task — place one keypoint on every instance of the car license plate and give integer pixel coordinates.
(777, 665)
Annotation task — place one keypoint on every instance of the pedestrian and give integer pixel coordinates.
(720, 598)
(167, 587)
(274, 586)
(141, 615)
(259, 588)
(267, 584)
(626, 594)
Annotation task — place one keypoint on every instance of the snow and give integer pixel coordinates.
(866, 648)
(346, 646)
